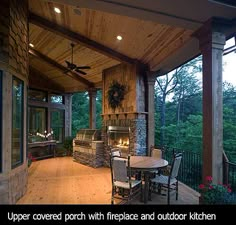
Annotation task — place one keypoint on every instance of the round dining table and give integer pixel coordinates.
(146, 164)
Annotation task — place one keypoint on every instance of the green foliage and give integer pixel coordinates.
(186, 135)
(182, 111)
(80, 111)
(212, 194)
(99, 110)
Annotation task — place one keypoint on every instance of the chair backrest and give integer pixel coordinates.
(156, 153)
(175, 165)
(115, 152)
(120, 168)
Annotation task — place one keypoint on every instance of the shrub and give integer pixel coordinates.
(212, 194)
(30, 159)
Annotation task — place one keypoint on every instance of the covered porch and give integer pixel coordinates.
(116, 41)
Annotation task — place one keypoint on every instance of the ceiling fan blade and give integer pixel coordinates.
(66, 71)
(83, 67)
(68, 63)
(80, 71)
(72, 66)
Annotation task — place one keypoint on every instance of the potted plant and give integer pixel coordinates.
(68, 145)
(213, 194)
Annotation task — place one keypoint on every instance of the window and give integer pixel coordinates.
(57, 124)
(0, 121)
(54, 98)
(37, 95)
(17, 122)
(37, 123)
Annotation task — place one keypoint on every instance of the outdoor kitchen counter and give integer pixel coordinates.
(92, 155)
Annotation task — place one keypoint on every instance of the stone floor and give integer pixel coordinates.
(62, 181)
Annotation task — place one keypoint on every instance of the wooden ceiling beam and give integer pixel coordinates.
(71, 74)
(38, 79)
(78, 38)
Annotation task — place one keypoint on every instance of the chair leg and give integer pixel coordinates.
(112, 196)
(177, 190)
(168, 195)
(141, 190)
(150, 191)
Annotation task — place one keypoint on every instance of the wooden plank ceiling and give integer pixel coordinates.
(145, 41)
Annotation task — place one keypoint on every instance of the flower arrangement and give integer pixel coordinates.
(212, 194)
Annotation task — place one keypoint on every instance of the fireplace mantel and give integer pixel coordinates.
(122, 115)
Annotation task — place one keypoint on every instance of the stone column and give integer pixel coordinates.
(92, 108)
(151, 78)
(14, 62)
(211, 46)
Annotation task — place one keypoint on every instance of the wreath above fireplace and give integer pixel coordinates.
(116, 94)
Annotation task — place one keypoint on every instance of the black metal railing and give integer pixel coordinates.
(229, 173)
(191, 168)
(190, 172)
(232, 176)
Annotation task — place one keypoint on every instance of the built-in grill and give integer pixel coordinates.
(88, 147)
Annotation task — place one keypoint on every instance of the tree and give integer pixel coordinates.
(99, 110)
(229, 119)
(185, 85)
(80, 111)
(164, 87)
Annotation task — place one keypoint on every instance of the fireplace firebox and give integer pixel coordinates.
(119, 137)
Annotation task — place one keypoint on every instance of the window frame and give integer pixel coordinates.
(63, 123)
(1, 121)
(37, 100)
(46, 115)
(21, 160)
(55, 94)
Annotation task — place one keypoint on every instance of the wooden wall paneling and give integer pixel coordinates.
(126, 75)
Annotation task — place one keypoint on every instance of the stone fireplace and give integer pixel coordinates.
(128, 122)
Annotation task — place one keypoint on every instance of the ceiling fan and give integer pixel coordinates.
(73, 67)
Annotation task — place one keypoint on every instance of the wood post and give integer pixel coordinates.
(151, 78)
(92, 108)
(211, 46)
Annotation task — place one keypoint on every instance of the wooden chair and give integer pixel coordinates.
(157, 153)
(115, 152)
(168, 181)
(124, 187)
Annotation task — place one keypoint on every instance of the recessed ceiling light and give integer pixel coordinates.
(119, 38)
(31, 45)
(57, 10)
